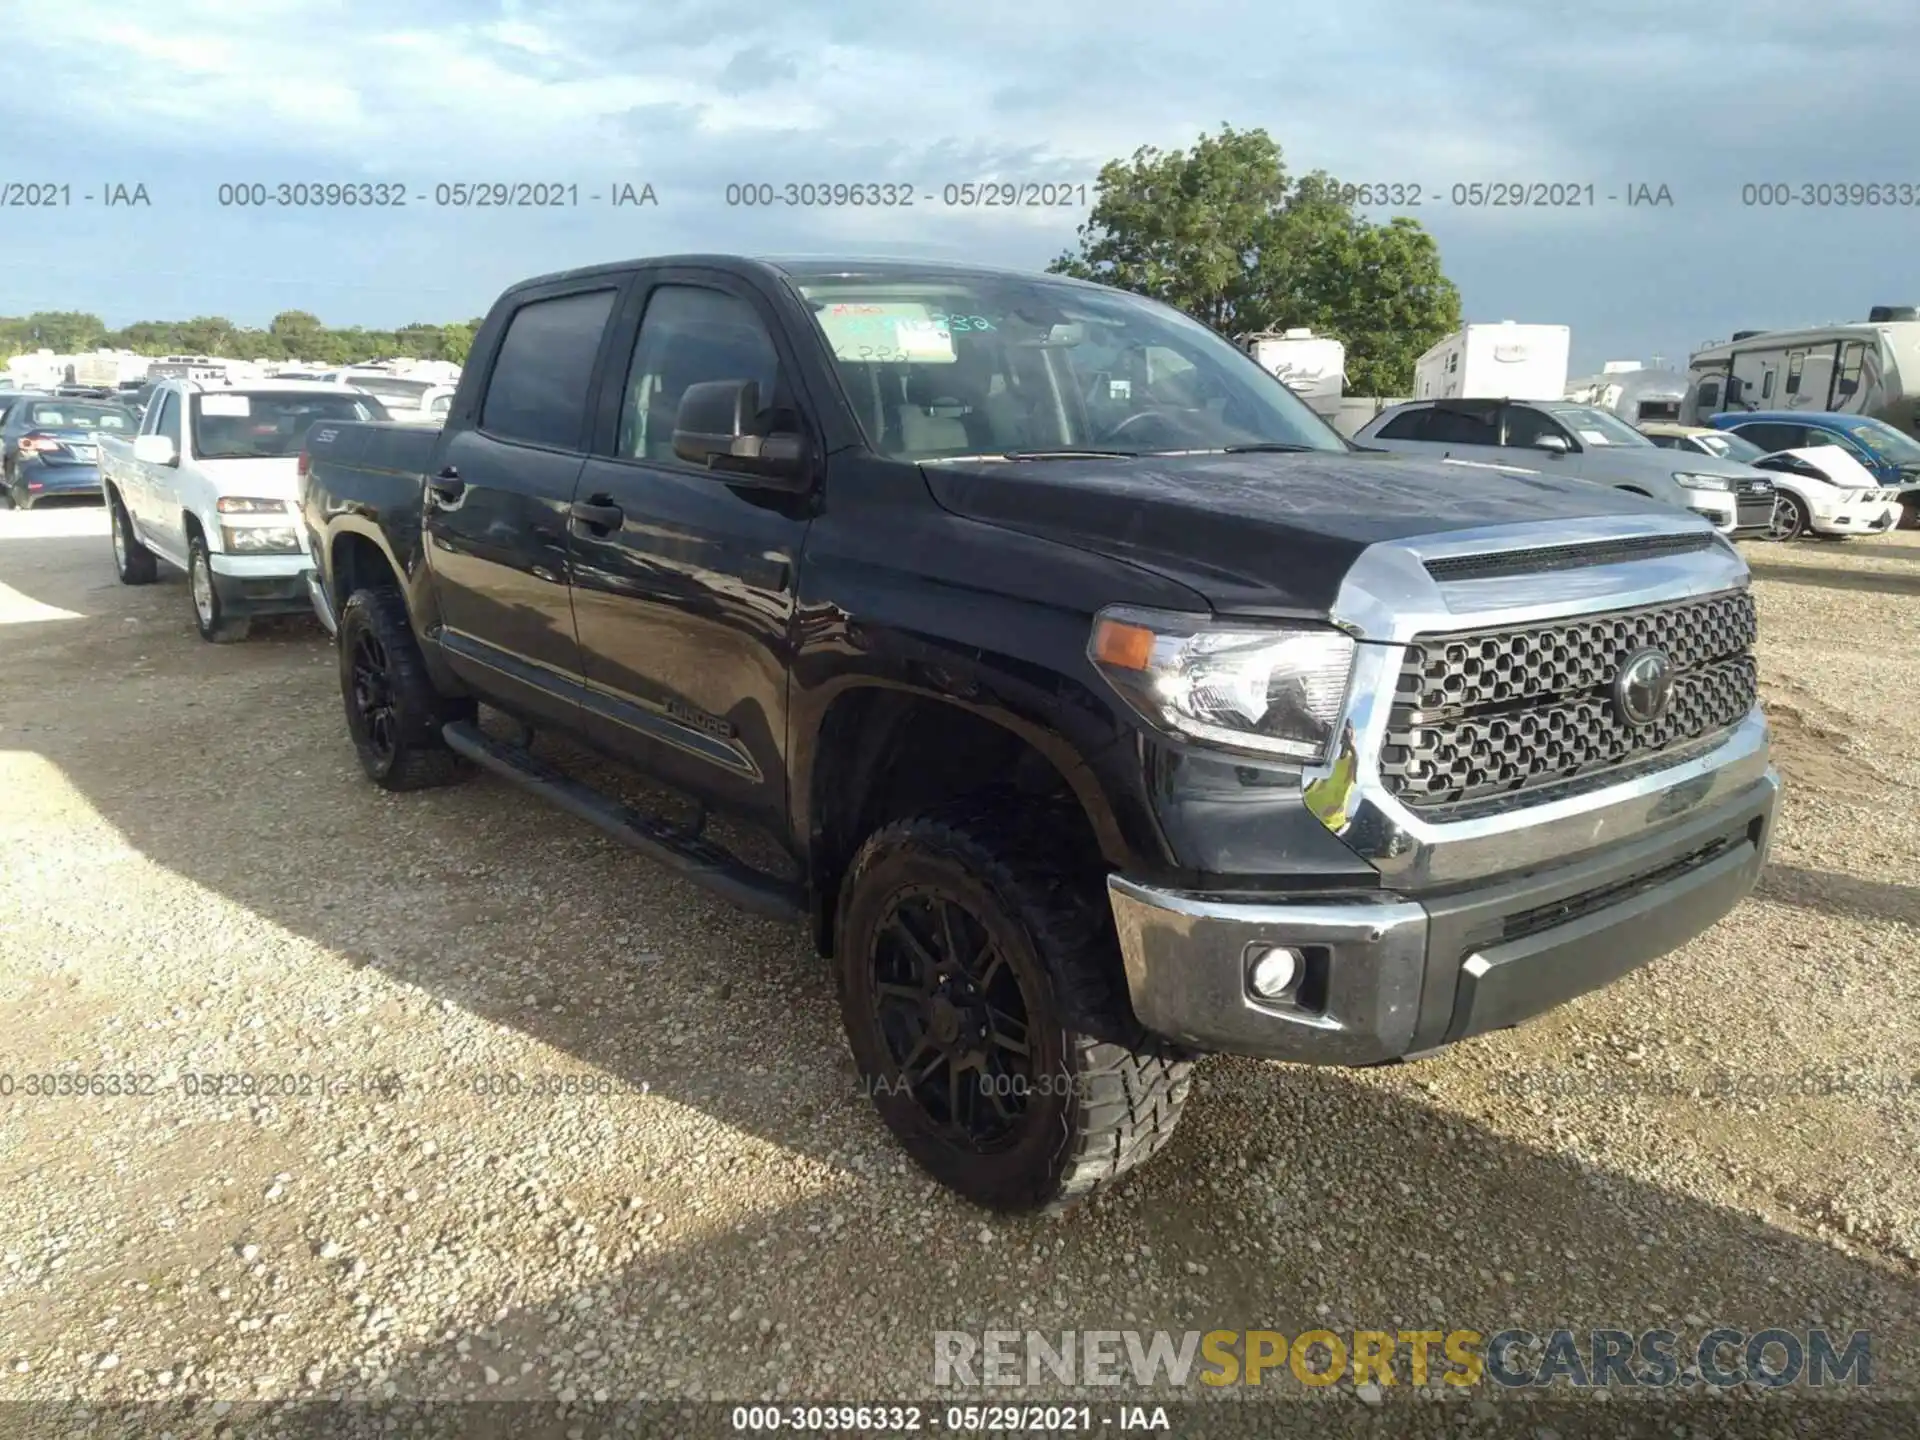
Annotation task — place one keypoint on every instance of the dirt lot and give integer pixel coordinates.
(558, 1126)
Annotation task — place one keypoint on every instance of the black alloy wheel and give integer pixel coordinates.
(373, 698)
(954, 1018)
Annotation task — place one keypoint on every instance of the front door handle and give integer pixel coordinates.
(598, 514)
(448, 485)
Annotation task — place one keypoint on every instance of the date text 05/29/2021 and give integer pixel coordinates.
(897, 1419)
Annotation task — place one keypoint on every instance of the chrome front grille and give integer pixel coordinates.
(1486, 713)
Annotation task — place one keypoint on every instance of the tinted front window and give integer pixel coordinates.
(691, 336)
(959, 365)
(82, 417)
(1525, 426)
(538, 390)
(1407, 425)
(239, 425)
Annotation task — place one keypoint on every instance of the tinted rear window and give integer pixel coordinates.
(81, 416)
(538, 390)
(1462, 427)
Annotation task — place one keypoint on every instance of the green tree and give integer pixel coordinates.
(1224, 233)
(456, 341)
(62, 331)
(296, 332)
(292, 334)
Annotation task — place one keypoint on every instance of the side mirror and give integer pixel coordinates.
(1553, 444)
(154, 450)
(714, 427)
(1847, 387)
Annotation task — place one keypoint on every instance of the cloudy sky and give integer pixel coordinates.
(691, 95)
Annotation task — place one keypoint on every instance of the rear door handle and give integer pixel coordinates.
(598, 514)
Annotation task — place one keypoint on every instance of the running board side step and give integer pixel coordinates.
(699, 860)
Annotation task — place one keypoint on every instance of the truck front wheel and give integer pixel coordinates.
(394, 714)
(210, 615)
(962, 951)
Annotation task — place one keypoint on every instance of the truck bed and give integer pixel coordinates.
(375, 468)
(374, 447)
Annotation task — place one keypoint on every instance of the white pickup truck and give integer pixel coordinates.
(208, 485)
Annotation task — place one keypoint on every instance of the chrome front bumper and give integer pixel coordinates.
(1492, 913)
(1392, 974)
(322, 606)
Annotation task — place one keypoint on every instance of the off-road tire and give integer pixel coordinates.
(215, 625)
(409, 752)
(132, 561)
(1115, 1092)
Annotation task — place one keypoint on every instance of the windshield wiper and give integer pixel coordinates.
(1267, 447)
(1033, 455)
(1069, 454)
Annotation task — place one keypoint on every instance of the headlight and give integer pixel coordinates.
(1271, 689)
(249, 505)
(260, 539)
(1701, 482)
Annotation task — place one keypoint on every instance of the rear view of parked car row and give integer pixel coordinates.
(1105, 707)
(1781, 475)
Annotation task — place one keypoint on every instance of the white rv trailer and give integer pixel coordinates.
(1506, 361)
(1313, 366)
(1636, 393)
(1869, 367)
(188, 367)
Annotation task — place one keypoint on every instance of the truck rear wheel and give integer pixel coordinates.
(963, 952)
(394, 714)
(132, 561)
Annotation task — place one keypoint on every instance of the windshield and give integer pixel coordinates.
(245, 425)
(954, 366)
(1886, 442)
(81, 417)
(1728, 446)
(1596, 427)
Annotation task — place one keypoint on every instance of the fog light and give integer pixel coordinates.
(1275, 971)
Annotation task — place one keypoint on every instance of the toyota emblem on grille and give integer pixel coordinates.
(1644, 687)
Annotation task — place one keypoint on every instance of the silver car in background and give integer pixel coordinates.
(1577, 442)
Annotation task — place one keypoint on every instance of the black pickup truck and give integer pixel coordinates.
(1110, 708)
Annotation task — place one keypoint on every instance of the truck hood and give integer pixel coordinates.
(269, 478)
(1277, 530)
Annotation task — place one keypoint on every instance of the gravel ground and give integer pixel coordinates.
(197, 881)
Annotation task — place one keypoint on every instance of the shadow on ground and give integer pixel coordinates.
(1828, 578)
